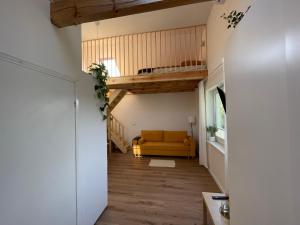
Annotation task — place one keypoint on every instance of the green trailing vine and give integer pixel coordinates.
(100, 74)
(234, 18)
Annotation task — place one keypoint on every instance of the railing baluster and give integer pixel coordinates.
(175, 51)
(196, 65)
(170, 44)
(191, 47)
(137, 54)
(115, 55)
(142, 48)
(132, 50)
(94, 61)
(128, 57)
(124, 70)
(160, 49)
(185, 48)
(151, 49)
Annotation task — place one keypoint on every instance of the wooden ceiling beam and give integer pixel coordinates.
(69, 12)
(156, 91)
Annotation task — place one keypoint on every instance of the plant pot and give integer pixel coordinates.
(212, 139)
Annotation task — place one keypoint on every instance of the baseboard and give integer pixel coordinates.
(217, 181)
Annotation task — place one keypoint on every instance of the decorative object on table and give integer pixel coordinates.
(234, 17)
(212, 131)
(136, 149)
(162, 163)
(191, 121)
(225, 209)
(100, 74)
(135, 140)
(211, 208)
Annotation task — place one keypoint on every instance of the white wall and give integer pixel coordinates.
(181, 16)
(39, 64)
(27, 34)
(262, 80)
(216, 164)
(217, 32)
(156, 112)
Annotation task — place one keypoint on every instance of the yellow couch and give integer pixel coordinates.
(165, 143)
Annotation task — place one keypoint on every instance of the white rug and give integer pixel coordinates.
(162, 163)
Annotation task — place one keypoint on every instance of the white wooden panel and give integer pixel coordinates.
(37, 148)
(257, 118)
(292, 26)
(91, 154)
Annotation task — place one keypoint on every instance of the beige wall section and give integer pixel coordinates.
(216, 165)
(182, 16)
(217, 32)
(156, 111)
(26, 33)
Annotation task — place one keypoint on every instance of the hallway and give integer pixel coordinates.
(139, 194)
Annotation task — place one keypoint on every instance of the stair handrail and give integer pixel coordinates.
(116, 127)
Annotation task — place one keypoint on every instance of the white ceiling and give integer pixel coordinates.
(182, 16)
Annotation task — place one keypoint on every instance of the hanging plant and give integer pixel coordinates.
(100, 74)
(234, 18)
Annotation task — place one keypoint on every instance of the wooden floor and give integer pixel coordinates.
(139, 194)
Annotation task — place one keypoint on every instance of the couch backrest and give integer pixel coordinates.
(174, 136)
(152, 135)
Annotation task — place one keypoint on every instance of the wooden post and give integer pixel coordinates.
(109, 127)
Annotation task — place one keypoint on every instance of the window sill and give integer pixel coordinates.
(217, 146)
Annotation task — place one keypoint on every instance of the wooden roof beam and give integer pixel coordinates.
(69, 12)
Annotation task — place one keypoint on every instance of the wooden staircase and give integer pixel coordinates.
(116, 130)
(117, 135)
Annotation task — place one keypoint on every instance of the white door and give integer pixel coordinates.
(37, 148)
(262, 86)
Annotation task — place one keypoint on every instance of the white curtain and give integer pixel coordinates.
(202, 126)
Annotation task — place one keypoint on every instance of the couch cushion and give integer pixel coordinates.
(152, 135)
(165, 146)
(175, 136)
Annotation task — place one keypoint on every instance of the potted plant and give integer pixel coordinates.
(212, 131)
(100, 74)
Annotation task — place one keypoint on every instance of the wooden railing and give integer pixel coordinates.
(130, 54)
(116, 134)
(116, 127)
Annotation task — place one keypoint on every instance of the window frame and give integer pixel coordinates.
(220, 134)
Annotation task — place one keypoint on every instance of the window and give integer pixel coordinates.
(219, 114)
(111, 66)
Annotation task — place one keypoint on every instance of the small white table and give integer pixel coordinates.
(212, 207)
